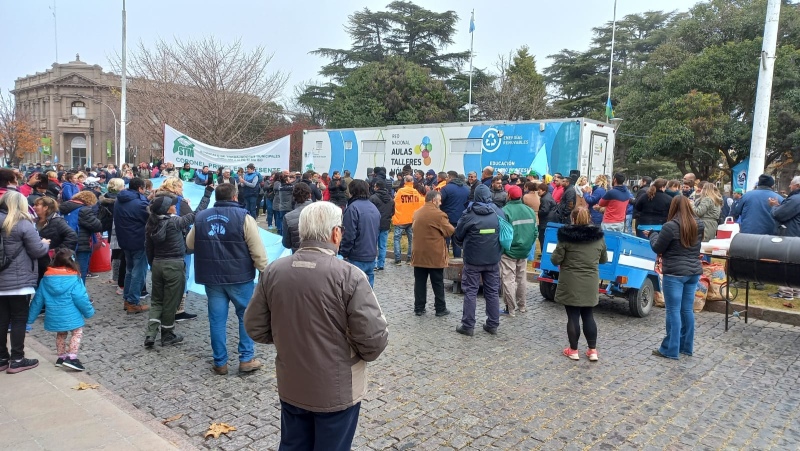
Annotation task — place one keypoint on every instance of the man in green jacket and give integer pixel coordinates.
(514, 262)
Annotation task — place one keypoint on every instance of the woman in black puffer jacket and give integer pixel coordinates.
(678, 243)
(54, 228)
(82, 204)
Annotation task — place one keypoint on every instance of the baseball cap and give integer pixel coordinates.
(514, 192)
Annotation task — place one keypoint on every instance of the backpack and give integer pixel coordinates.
(72, 220)
(506, 233)
(5, 261)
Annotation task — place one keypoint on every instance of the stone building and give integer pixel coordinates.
(76, 105)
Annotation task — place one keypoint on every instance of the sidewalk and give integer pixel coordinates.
(40, 410)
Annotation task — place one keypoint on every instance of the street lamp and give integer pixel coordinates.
(112, 112)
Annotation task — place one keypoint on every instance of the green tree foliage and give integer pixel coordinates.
(404, 29)
(394, 91)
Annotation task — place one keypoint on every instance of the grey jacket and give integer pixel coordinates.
(25, 243)
(283, 196)
(325, 322)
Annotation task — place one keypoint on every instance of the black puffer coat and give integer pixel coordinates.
(653, 211)
(167, 241)
(88, 224)
(548, 211)
(677, 260)
(338, 191)
(291, 227)
(478, 230)
(58, 232)
(385, 204)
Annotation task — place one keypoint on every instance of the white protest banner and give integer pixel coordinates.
(268, 158)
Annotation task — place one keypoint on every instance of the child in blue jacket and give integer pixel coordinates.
(67, 304)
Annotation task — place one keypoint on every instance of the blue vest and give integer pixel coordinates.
(221, 254)
(245, 190)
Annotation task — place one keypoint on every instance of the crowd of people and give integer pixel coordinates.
(337, 228)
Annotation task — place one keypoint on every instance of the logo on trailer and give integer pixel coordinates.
(491, 139)
(424, 149)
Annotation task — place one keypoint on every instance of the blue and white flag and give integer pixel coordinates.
(472, 23)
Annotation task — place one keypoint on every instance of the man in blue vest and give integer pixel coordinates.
(228, 250)
(249, 185)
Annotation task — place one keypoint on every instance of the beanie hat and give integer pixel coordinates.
(514, 192)
(162, 202)
(766, 180)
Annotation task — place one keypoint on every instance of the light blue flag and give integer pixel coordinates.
(272, 242)
(472, 23)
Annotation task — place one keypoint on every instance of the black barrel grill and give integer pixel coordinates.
(765, 259)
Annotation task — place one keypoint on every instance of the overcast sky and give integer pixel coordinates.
(290, 29)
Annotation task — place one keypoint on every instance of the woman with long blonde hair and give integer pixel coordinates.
(707, 207)
(22, 246)
(678, 244)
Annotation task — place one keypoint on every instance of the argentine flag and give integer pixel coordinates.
(472, 23)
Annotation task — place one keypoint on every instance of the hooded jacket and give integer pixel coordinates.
(478, 230)
(361, 221)
(548, 211)
(325, 322)
(569, 198)
(68, 189)
(88, 224)
(677, 260)
(454, 197)
(708, 212)
(167, 241)
(385, 205)
(62, 292)
(130, 219)
(580, 249)
(499, 197)
(58, 232)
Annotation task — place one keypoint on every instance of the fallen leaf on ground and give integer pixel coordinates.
(219, 428)
(85, 386)
(788, 305)
(172, 418)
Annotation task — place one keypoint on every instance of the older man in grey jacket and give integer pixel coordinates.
(321, 370)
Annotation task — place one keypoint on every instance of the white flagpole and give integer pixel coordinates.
(471, 42)
(758, 143)
(123, 114)
(611, 59)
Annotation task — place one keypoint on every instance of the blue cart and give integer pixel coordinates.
(629, 273)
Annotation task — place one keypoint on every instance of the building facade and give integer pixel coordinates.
(76, 106)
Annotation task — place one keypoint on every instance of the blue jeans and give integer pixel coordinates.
(383, 237)
(304, 430)
(268, 210)
(629, 224)
(456, 247)
(398, 232)
(135, 273)
(219, 297)
(279, 221)
(251, 205)
(367, 267)
(679, 301)
(187, 260)
(83, 261)
(470, 282)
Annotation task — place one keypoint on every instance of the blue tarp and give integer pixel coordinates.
(272, 242)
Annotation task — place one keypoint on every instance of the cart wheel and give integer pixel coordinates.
(641, 300)
(548, 290)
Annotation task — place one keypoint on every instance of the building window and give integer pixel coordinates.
(79, 109)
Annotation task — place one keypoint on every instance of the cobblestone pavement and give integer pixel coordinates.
(436, 389)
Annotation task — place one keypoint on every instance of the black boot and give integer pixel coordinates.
(149, 342)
